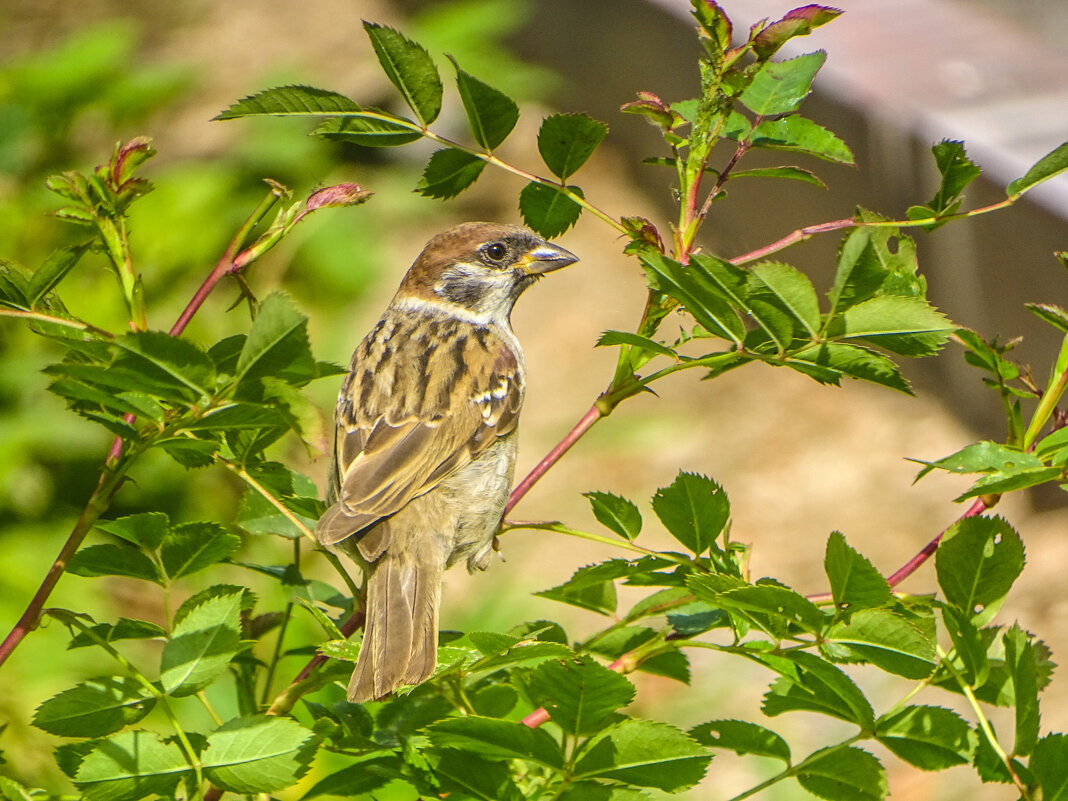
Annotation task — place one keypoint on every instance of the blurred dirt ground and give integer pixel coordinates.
(798, 460)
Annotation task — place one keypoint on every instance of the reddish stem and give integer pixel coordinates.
(800, 235)
(552, 457)
(912, 564)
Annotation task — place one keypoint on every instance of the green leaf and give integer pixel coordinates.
(449, 172)
(94, 708)
(983, 457)
(787, 172)
(188, 452)
(471, 777)
(1023, 668)
(1049, 763)
(859, 274)
(797, 22)
(595, 791)
(644, 753)
(410, 68)
(1000, 483)
(373, 129)
(53, 270)
(971, 650)
(779, 86)
(173, 365)
(131, 765)
(1053, 163)
(977, 562)
(957, 172)
(654, 348)
(743, 738)
(1050, 313)
(591, 587)
(490, 112)
(289, 100)
(190, 547)
(202, 644)
(615, 513)
(13, 791)
(566, 141)
(361, 777)
(929, 737)
(146, 529)
(114, 560)
(698, 291)
(887, 640)
(855, 582)
(547, 210)
(812, 684)
(909, 326)
(791, 289)
(828, 362)
(496, 739)
(780, 604)
(844, 774)
(800, 135)
(15, 283)
(580, 695)
(123, 629)
(277, 344)
(258, 754)
(694, 508)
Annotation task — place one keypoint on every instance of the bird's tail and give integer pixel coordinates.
(400, 636)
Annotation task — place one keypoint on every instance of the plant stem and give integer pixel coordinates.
(793, 770)
(560, 528)
(47, 318)
(1049, 400)
(111, 479)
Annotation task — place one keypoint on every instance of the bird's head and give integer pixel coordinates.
(479, 269)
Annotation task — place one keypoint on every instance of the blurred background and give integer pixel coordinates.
(798, 460)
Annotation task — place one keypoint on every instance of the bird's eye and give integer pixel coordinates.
(496, 251)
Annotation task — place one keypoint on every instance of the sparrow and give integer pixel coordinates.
(425, 439)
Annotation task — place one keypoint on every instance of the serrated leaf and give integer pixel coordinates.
(131, 765)
(360, 777)
(188, 452)
(887, 640)
(781, 604)
(579, 694)
(615, 513)
(114, 560)
(1049, 763)
(844, 774)
(490, 112)
(258, 754)
(788, 172)
(449, 172)
(977, 562)
(797, 22)
(654, 348)
(811, 683)
(190, 547)
(999, 483)
(289, 100)
(123, 629)
(968, 644)
(53, 270)
(1053, 163)
(277, 345)
(828, 362)
(11, 790)
(373, 129)
(983, 457)
(410, 68)
(496, 739)
(694, 509)
(855, 582)
(591, 587)
(929, 737)
(909, 326)
(94, 708)
(792, 289)
(202, 644)
(547, 210)
(644, 753)
(167, 362)
(469, 776)
(859, 274)
(566, 141)
(743, 738)
(146, 529)
(957, 172)
(800, 135)
(695, 288)
(779, 86)
(1023, 668)
(1051, 313)
(15, 282)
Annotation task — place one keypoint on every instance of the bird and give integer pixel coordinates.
(425, 439)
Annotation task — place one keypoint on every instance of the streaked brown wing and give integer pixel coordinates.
(423, 407)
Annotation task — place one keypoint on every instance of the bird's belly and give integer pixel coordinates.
(476, 496)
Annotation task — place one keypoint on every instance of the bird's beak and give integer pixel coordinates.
(546, 257)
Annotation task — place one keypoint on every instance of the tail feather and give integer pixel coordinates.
(401, 627)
